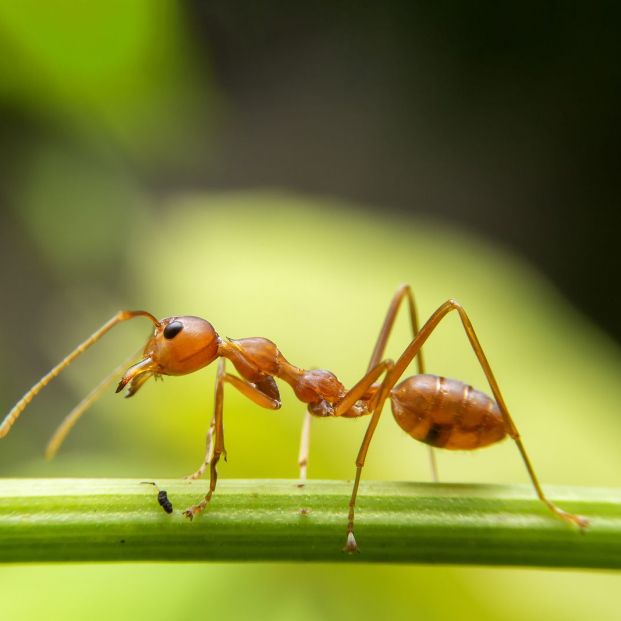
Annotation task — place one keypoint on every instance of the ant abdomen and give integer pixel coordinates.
(446, 413)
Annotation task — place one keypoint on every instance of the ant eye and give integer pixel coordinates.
(172, 329)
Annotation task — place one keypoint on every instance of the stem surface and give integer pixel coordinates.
(275, 520)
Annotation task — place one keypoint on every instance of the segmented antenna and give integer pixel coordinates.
(72, 418)
(21, 405)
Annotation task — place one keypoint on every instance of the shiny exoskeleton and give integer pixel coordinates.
(440, 412)
(446, 413)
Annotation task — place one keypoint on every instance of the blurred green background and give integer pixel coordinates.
(280, 171)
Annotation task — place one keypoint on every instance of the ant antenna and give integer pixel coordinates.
(21, 405)
(72, 418)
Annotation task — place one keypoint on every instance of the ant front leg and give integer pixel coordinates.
(208, 451)
(219, 444)
(250, 391)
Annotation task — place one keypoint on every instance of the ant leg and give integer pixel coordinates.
(340, 408)
(393, 377)
(350, 544)
(208, 451)
(219, 444)
(363, 385)
(403, 362)
(20, 406)
(304, 447)
(404, 291)
(250, 391)
(578, 520)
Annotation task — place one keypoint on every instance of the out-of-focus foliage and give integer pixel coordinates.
(113, 72)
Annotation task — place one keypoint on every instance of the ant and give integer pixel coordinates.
(441, 412)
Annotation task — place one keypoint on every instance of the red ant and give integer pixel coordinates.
(440, 412)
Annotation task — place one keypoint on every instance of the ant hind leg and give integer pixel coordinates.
(393, 377)
(414, 347)
(403, 292)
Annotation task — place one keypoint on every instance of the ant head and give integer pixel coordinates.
(179, 345)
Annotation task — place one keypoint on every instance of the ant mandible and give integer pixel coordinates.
(441, 412)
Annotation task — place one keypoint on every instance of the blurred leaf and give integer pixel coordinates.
(115, 69)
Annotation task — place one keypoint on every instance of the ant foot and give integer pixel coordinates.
(350, 546)
(580, 521)
(572, 518)
(192, 511)
(583, 522)
(303, 470)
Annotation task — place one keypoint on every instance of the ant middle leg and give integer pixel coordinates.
(254, 394)
(403, 292)
(345, 406)
(304, 448)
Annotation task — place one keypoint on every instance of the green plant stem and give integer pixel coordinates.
(275, 520)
